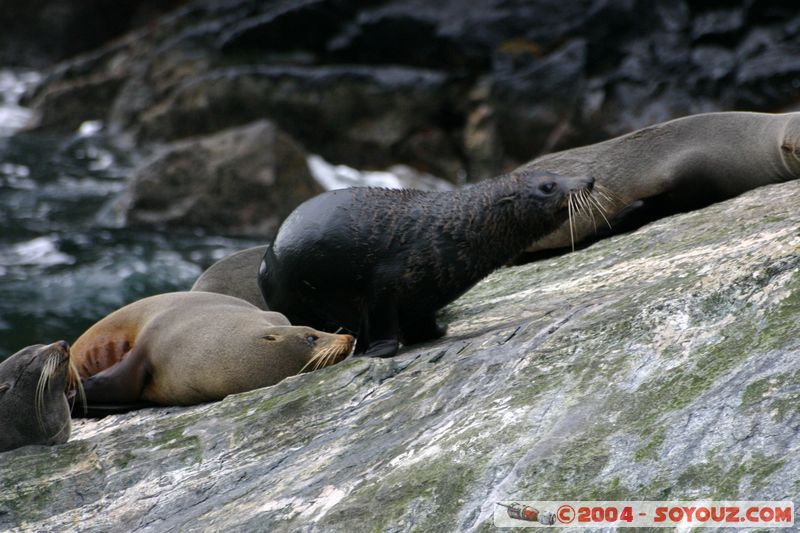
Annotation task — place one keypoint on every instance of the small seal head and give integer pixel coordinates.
(33, 401)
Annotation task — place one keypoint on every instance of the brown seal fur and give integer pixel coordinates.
(190, 347)
(235, 275)
(382, 262)
(677, 166)
(33, 402)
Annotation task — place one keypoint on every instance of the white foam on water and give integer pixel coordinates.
(333, 177)
(13, 84)
(41, 251)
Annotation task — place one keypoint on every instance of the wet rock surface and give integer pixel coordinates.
(663, 364)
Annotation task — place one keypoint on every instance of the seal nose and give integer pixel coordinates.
(64, 345)
(575, 184)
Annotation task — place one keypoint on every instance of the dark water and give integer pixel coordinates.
(62, 266)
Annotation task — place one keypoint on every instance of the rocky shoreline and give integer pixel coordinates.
(460, 91)
(625, 371)
(662, 364)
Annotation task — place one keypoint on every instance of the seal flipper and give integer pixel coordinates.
(379, 331)
(382, 348)
(122, 383)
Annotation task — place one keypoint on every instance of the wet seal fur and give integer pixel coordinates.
(676, 166)
(185, 348)
(235, 275)
(382, 262)
(33, 401)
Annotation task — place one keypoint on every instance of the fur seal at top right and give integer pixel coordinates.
(675, 166)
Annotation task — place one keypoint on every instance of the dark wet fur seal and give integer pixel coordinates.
(33, 401)
(381, 262)
(184, 348)
(235, 275)
(674, 167)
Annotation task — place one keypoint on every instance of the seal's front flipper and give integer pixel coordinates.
(379, 333)
(382, 348)
(122, 383)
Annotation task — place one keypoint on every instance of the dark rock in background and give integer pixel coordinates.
(465, 90)
(366, 117)
(38, 32)
(245, 180)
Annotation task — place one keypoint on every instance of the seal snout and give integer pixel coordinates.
(791, 149)
(572, 185)
(580, 183)
(61, 348)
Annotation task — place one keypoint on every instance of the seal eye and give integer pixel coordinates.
(311, 339)
(269, 337)
(548, 187)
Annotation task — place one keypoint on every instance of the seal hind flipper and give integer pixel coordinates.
(235, 275)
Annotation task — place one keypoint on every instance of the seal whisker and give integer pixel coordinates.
(331, 358)
(571, 227)
(325, 356)
(76, 384)
(603, 200)
(313, 359)
(610, 194)
(43, 382)
(589, 208)
(601, 209)
(320, 359)
(585, 206)
(600, 200)
(336, 353)
(44, 375)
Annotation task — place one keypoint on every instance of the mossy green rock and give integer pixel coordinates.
(664, 364)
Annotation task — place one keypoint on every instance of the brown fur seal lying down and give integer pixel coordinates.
(381, 262)
(184, 348)
(33, 402)
(676, 166)
(235, 275)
